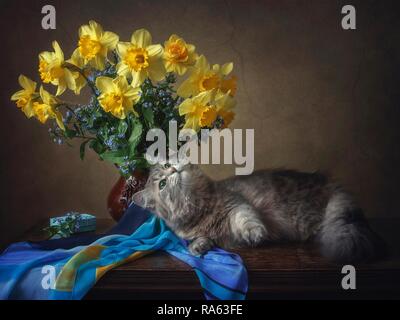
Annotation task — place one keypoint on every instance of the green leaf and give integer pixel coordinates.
(82, 149)
(148, 115)
(136, 134)
(141, 163)
(69, 133)
(117, 157)
(78, 129)
(122, 127)
(96, 146)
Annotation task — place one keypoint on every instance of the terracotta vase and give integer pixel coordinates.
(121, 193)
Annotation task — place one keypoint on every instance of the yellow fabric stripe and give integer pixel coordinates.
(100, 271)
(66, 278)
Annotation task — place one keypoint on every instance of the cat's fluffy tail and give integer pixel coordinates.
(345, 235)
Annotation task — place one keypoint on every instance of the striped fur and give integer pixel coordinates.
(267, 206)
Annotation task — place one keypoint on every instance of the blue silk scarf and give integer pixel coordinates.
(67, 268)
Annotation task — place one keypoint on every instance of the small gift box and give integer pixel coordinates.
(73, 222)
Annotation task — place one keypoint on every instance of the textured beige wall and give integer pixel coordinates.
(317, 96)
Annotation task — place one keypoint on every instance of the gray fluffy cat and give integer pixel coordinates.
(266, 206)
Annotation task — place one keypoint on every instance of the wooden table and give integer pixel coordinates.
(286, 271)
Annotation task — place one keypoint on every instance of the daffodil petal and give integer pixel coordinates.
(186, 106)
(59, 120)
(46, 55)
(105, 84)
(76, 59)
(18, 95)
(155, 50)
(96, 28)
(47, 97)
(204, 97)
(61, 88)
(185, 90)
(191, 48)
(27, 83)
(227, 68)
(137, 78)
(28, 110)
(192, 123)
(133, 93)
(168, 66)
(141, 38)
(119, 114)
(99, 62)
(156, 70)
(173, 38)
(58, 52)
(202, 63)
(216, 68)
(70, 79)
(224, 101)
(80, 82)
(121, 83)
(122, 47)
(85, 30)
(180, 69)
(44, 94)
(123, 70)
(109, 40)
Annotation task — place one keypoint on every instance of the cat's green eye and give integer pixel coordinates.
(167, 165)
(162, 184)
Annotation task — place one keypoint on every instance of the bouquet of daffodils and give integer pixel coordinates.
(132, 91)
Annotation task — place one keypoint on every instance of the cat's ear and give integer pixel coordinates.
(144, 199)
(151, 159)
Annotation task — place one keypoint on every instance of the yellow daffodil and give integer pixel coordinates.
(140, 59)
(94, 44)
(51, 70)
(46, 108)
(198, 111)
(204, 78)
(178, 55)
(229, 85)
(24, 98)
(224, 104)
(117, 96)
(77, 60)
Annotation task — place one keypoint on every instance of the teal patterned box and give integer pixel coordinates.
(81, 222)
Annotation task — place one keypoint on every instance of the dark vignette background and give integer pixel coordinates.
(318, 97)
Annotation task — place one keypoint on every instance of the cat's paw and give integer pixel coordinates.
(200, 246)
(254, 234)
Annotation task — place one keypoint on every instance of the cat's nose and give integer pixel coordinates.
(172, 170)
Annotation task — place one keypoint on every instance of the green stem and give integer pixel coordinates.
(71, 110)
(84, 137)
